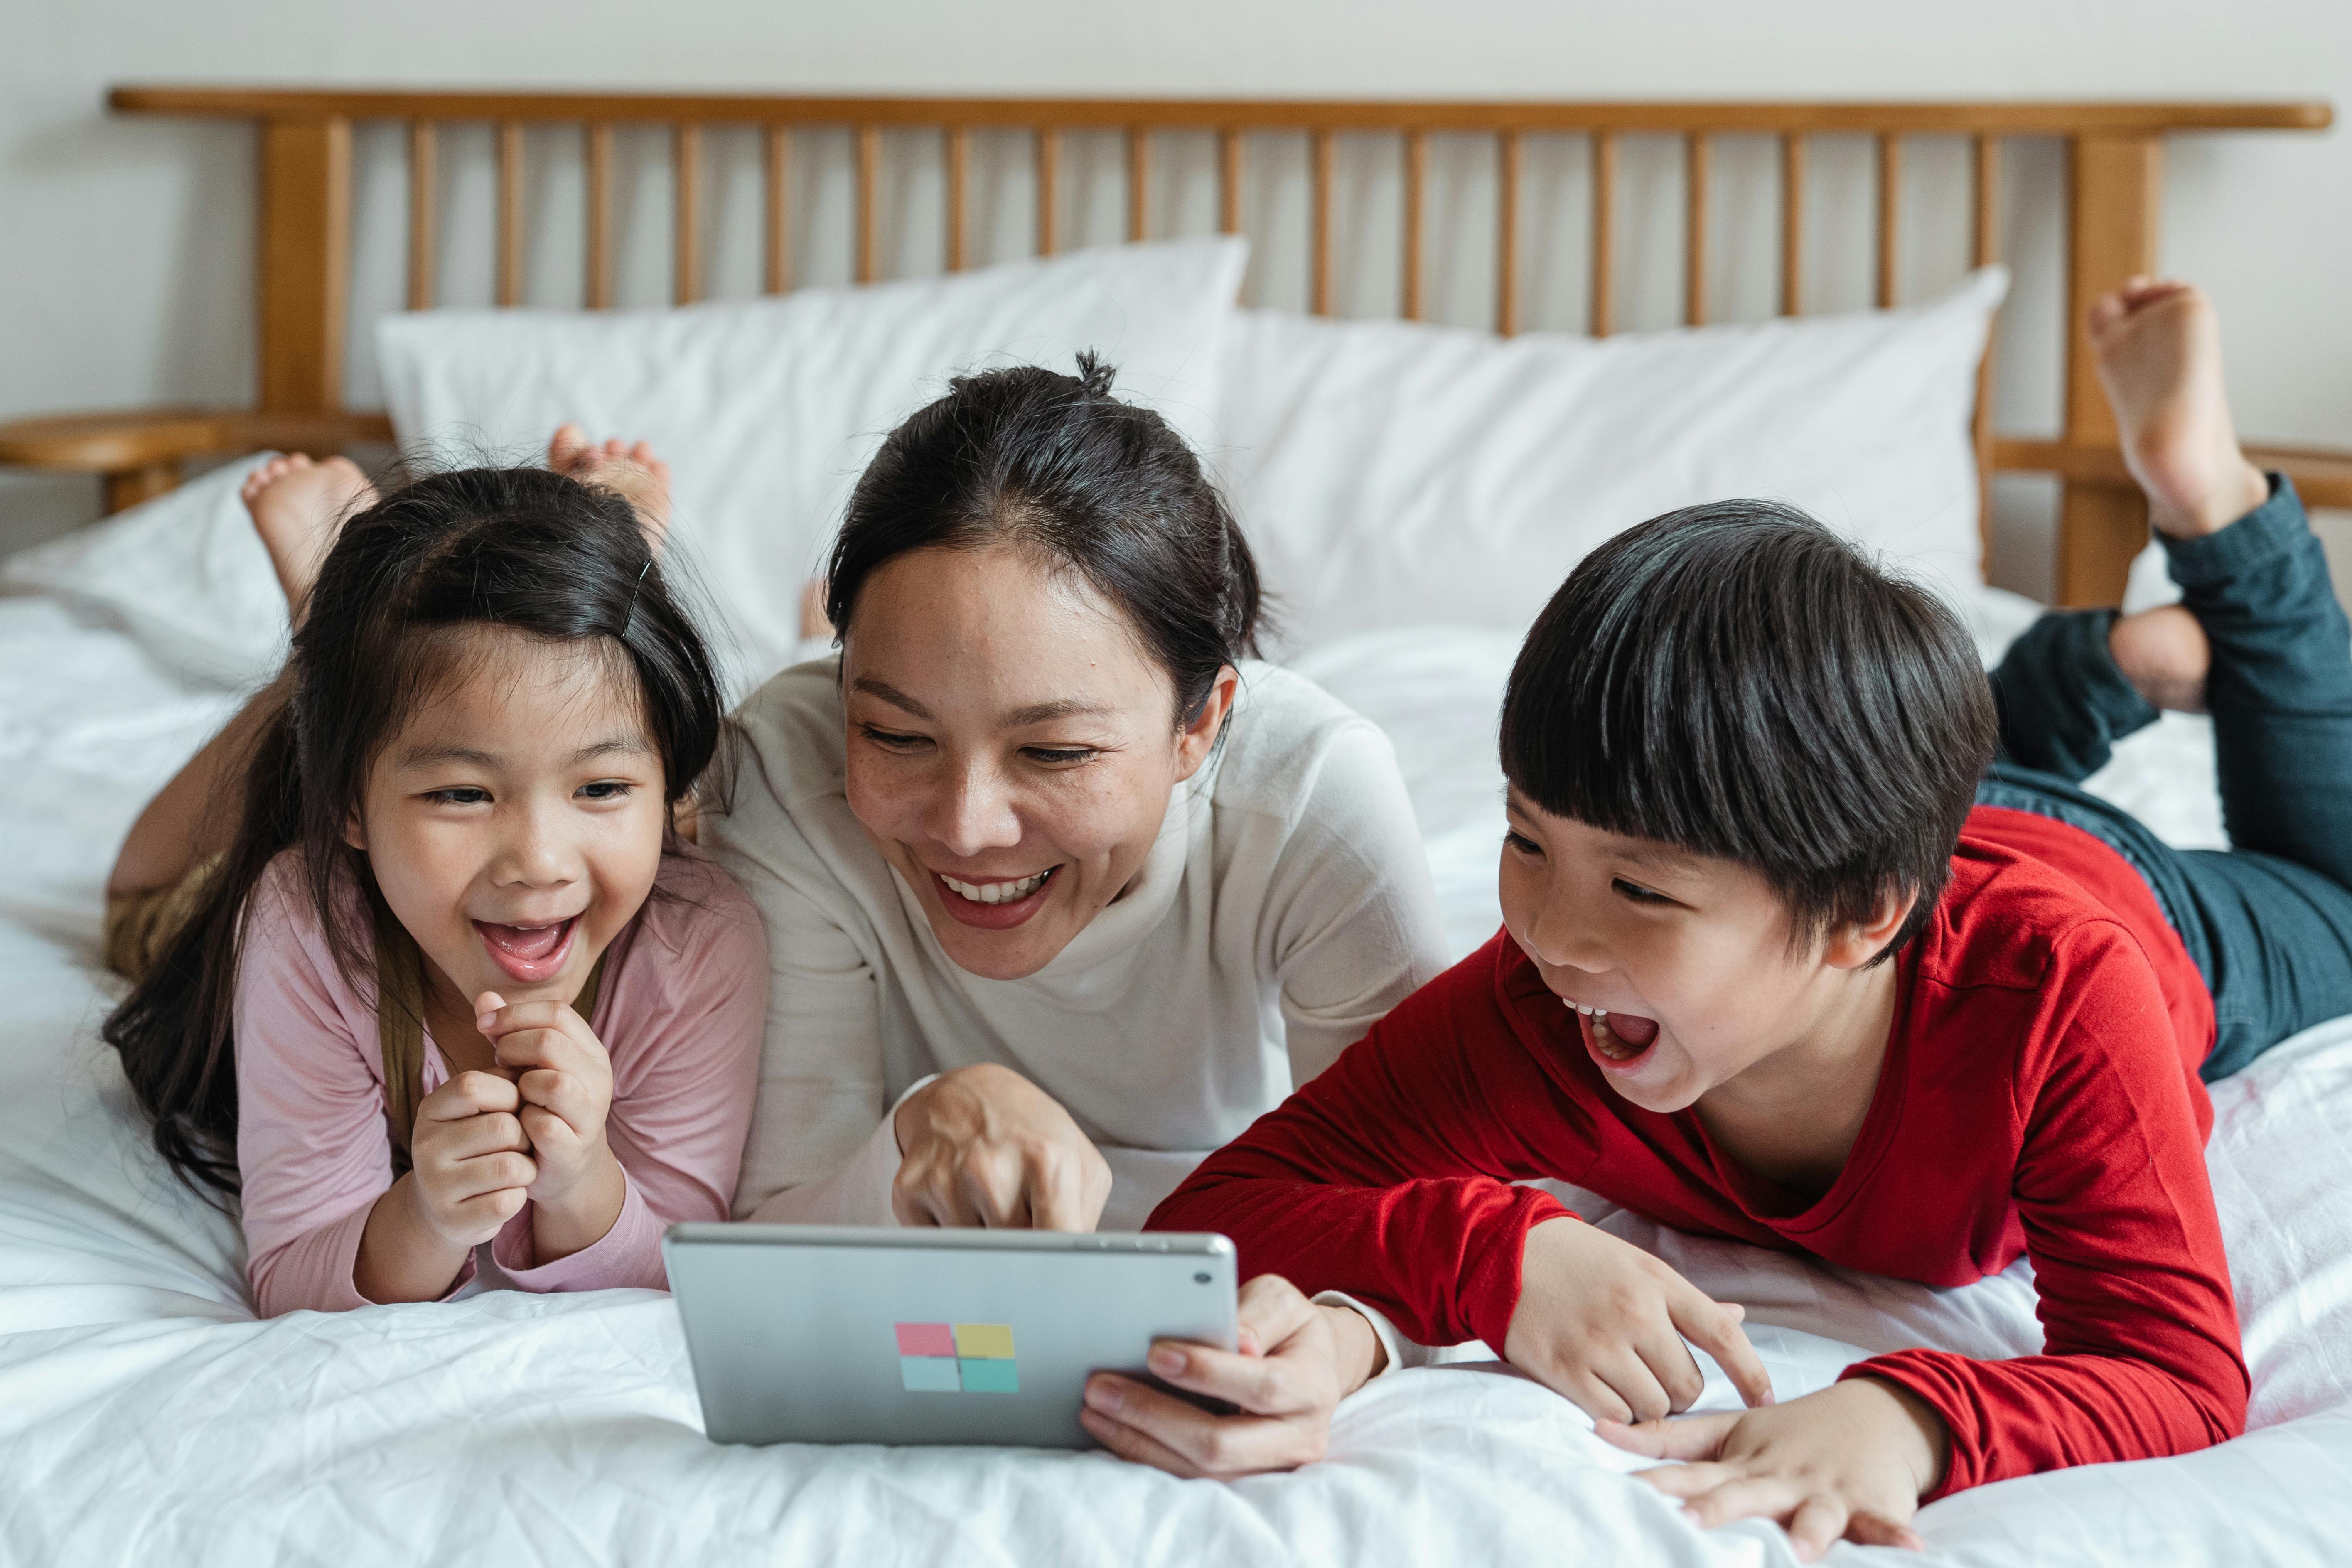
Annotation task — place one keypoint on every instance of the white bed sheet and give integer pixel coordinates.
(146, 1416)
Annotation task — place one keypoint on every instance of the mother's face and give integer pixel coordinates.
(1012, 747)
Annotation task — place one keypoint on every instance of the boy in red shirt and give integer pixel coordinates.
(1786, 961)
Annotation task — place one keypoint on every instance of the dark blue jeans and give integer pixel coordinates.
(2268, 921)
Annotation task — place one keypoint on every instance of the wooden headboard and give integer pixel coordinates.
(2114, 155)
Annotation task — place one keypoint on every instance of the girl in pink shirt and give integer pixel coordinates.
(456, 980)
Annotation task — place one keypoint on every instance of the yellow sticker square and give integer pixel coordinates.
(989, 1341)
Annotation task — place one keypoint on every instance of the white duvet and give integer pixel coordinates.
(146, 1416)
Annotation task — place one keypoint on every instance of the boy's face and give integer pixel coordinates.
(1689, 955)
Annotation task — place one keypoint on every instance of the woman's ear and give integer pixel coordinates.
(355, 831)
(1853, 945)
(1196, 740)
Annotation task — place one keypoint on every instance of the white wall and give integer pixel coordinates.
(125, 244)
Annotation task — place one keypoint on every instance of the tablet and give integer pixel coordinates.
(849, 1334)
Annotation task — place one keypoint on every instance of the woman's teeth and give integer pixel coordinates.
(997, 892)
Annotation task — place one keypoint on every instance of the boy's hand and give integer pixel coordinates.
(1850, 1462)
(1602, 1323)
(469, 1160)
(566, 1080)
(1296, 1362)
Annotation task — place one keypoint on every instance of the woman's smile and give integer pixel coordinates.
(996, 905)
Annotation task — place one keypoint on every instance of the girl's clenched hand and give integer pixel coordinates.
(565, 1079)
(470, 1159)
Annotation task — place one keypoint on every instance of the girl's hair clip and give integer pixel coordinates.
(630, 620)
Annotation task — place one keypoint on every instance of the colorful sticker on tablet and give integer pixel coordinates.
(957, 1358)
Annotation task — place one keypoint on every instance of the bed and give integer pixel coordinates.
(145, 1415)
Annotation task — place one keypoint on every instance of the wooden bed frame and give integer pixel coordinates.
(2115, 153)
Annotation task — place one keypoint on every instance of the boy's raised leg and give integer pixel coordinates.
(2253, 577)
(2077, 681)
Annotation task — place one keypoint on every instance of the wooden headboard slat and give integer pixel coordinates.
(2000, 117)
(2116, 155)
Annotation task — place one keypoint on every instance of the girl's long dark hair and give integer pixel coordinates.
(521, 549)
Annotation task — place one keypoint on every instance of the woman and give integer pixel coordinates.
(1058, 881)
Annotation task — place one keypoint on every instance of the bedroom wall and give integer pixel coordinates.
(125, 244)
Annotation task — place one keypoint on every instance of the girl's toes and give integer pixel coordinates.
(269, 474)
(565, 446)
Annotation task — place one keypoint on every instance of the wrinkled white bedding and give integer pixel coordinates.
(146, 1416)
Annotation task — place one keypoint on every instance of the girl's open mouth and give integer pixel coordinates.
(1617, 1041)
(995, 906)
(531, 954)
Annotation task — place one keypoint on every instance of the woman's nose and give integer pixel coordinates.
(973, 813)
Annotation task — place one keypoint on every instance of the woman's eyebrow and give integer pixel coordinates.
(891, 694)
(1047, 713)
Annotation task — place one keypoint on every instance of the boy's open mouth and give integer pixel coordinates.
(531, 954)
(997, 905)
(1616, 1040)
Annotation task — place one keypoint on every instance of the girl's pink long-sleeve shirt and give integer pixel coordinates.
(681, 1011)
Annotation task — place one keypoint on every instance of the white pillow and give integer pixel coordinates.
(183, 574)
(767, 410)
(1389, 473)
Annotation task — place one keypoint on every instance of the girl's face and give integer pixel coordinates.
(1011, 748)
(515, 823)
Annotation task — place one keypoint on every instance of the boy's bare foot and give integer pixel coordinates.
(298, 506)
(633, 472)
(2164, 653)
(2159, 353)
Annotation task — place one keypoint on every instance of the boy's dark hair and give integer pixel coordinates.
(521, 549)
(1026, 456)
(1738, 681)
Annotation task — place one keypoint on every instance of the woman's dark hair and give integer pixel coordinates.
(1055, 464)
(521, 549)
(1738, 681)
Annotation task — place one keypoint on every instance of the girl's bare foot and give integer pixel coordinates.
(2164, 653)
(298, 508)
(2159, 352)
(633, 472)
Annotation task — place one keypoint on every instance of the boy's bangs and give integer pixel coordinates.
(1738, 682)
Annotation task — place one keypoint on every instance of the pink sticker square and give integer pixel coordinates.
(926, 1339)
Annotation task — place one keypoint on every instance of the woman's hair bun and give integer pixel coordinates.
(1026, 454)
(1093, 376)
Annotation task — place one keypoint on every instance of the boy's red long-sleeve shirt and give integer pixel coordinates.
(2039, 1095)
